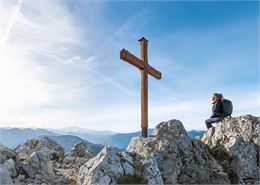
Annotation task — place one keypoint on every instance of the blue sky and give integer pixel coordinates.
(60, 63)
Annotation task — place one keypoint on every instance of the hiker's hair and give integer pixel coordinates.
(218, 95)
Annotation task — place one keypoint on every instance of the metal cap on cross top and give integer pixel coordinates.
(143, 39)
(145, 69)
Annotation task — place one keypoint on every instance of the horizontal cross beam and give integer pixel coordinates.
(130, 58)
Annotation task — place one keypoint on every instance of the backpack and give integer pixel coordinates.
(227, 107)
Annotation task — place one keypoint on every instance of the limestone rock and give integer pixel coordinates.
(6, 153)
(179, 158)
(109, 165)
(34, 161)
(246, 126)
(28, 169)
(20, 177)
(38, 168)
(102, 169)
(243, 157)
(235, 142)
(10, 166)
(79, 149)
(77, 156)
(45, 168)
(5, 178)
(40, 161)
(44, 144)
(69, 160)
(151, 172)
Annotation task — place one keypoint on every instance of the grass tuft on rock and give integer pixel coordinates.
(34, 143)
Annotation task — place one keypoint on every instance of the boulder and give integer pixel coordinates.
(179, 158)
(5, 178)
(109, 166)
(78, 155)
(28, 170)
(46, 168)
(44, 144)
(150, 172)
(69, 160)
(103, 169)
(243, 158)
(38, 163)
(234, 142)
(6, 153)
(246, 126)
(34, 161)
(10, 166)
(20, 178)
(79, 149)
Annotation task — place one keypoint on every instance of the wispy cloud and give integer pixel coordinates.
(60, 67)
(42, 66)
(29, 30)
(7, 21)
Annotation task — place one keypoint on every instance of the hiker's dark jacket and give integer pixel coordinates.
(217, 109)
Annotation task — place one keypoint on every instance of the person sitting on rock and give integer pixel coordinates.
(217, 110)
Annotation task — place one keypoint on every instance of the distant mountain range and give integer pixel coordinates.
(89, 135)
(68, 141)
(68, 137)
(11, 137)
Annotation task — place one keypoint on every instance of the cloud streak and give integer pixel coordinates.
(59, 69)
(25, 36)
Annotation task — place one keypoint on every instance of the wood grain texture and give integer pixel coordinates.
(145, 69)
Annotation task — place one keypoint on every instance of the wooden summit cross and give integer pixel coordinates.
(145, 69)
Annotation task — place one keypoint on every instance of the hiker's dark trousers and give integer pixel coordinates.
(212, 120)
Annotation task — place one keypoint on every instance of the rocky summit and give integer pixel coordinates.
(227, 153)
(179, 158)
(235, 144)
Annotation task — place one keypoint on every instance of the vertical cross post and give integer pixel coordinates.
(146, 70)
(144, 87)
